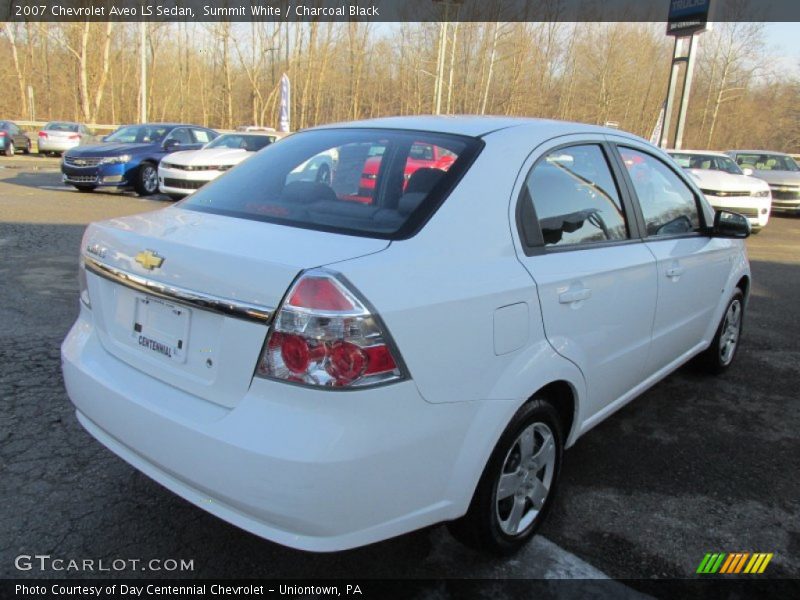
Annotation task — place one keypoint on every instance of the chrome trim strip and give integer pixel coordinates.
(226, 306)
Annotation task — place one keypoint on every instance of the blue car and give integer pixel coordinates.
(129, 157)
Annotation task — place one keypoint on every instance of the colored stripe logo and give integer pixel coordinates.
(734, 563)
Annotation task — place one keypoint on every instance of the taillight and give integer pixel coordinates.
(324, 335)
(42, 134)
(2, 134)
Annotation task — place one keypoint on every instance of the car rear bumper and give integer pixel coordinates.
(56, 145)
(314, 470)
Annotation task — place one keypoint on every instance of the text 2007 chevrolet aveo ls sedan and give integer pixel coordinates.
(327, 370)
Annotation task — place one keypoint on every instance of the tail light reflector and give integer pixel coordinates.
(323, 335)
(42, 134)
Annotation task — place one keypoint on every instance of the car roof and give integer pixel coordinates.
(173, 125)
(773, 152)
(699, 152)
(261, 133)
(475, 125)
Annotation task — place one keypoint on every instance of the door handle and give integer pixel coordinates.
(675, 271)
(574, 296)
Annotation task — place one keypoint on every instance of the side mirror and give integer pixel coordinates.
(747, 171)
(171, 144)
(731, 225)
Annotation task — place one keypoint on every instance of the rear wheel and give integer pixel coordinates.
(146, 183)
(27, 148)
(10, 148)
(720, 354)
(85, 188)
(518, 483)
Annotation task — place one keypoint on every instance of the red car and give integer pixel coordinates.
(422, 155)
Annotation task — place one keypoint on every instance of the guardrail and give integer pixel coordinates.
(39, 124)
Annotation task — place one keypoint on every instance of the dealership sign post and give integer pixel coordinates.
(687, 19)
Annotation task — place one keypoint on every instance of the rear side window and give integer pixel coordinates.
(575, 198)
(668, 205)
(377, 183)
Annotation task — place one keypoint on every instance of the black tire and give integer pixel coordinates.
(85, 188)
(27, 148)
(9, 148)
(146, 183)
(718, 357)
(324, 174)
(483, 527)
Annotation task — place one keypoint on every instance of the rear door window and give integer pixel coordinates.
(358, 181)
(575, 198)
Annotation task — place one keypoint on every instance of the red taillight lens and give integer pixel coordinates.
(323, 335)
(2, 134)
(42, 134)
(347, 362)
(319, 293)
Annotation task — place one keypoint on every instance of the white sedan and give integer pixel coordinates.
(726, 186)
(327, 371)
(181, 173)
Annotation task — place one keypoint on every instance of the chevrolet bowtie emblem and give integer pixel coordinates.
(149, 259)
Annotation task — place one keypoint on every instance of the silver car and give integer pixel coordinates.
(779, 170)
(59, 136)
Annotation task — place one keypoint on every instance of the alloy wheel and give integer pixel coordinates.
(525, 478)
(731, 329)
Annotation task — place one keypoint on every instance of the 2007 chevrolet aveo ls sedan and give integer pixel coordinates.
(326, 364)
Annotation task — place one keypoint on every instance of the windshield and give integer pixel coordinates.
(710, 162)
(138, 134)
(251, 143)
(365, 182)
(767, 162)
(55, 126)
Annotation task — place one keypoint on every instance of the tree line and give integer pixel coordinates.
(227, 74)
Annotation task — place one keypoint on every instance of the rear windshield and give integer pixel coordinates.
(56, 126)
(368, 182)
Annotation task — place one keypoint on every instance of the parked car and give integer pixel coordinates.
(420, 156)
(779, 170)
(59, 136)
(184, 172)
(725, 186)
(12, 138)
(129, 157)
(327, 374)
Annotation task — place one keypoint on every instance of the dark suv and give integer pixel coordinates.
(129, 157)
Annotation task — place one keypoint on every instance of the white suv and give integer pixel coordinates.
(331, 363)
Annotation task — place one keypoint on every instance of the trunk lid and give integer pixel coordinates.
(222, 264)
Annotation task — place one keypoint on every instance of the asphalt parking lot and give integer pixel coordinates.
(695, 465)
